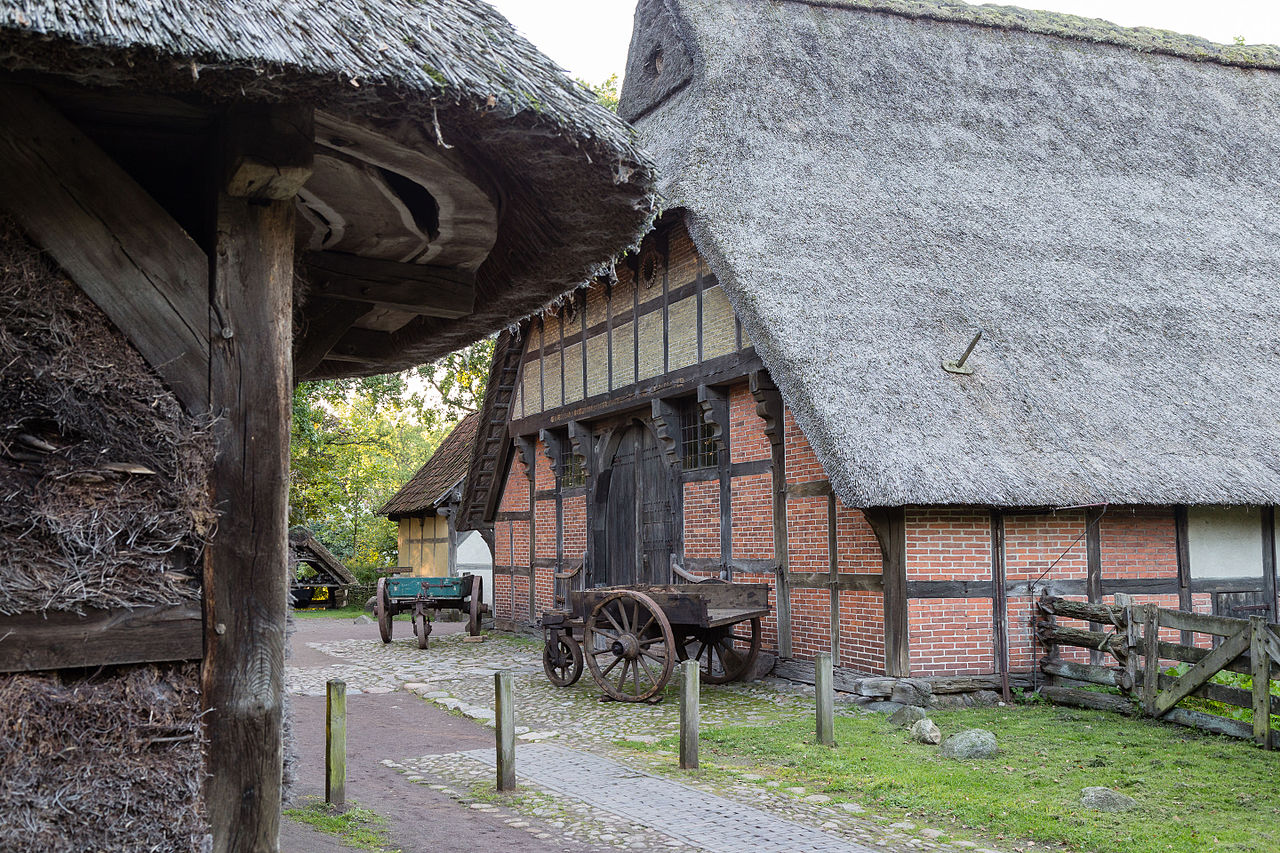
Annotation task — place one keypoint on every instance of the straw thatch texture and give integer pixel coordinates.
(575, 188)
(110, 761)
(104, 477)
(872, 188)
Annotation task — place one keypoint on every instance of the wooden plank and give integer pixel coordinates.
(1133, 641)
(245, 565)
(57, 640)
(1182, 548)
(1206, 668)
(1079, 637)
(833, 558)
(845, 582)
(949, 589)
(1104, 616)
(324, 322)
(1093, 566)
(999, 604)
(1218, 693)
(1256, 583)
(1087, 699)
(420, 288)
(335, 743)
(824, 699)
(1151, 657)
(1084, 672)
(1261, 673)
(504, 730)
(1202, 623)
(814, 489)
(690, 694)
(1269, 562)
(111, 238)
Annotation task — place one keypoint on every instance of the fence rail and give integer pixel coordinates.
(1130, 635)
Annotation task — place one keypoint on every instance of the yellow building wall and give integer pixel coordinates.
(424, 545)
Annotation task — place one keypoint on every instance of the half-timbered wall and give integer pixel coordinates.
(424, 545)
(900, 591)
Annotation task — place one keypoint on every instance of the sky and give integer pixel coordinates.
(590, 37)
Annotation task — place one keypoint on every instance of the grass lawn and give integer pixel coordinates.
(1195, 792)
(357, 827)
(351, 611)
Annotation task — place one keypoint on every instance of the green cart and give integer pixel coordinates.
(419, 595)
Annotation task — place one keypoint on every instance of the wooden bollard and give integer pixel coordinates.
(822, 689)
(689, 695)
(335, 744)
(505, 731)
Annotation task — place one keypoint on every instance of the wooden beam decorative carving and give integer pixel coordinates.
(245, 566)
(553, 449)
(272, 151)
(769, 405)
(33, 641)
(113, 240)
(580, 444)
(666, 426)
(422, 289)
(524, 447)
(713, 402)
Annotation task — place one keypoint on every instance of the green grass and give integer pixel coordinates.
(351, 611)
(1194, 792)
(357, 827)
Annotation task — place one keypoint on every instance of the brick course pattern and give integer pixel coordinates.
(747, 439)
(951, 636)
(751, 500)
(702, 519)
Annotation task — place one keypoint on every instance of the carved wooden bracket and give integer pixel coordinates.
(553, 449)
(525, 447)
(768, 404)
(714, 405)
(580, 444)
(666, 426)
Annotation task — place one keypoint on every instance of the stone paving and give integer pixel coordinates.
(579, 739)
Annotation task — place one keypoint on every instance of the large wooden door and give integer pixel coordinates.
(638, 522)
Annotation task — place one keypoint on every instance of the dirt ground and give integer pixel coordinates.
(393, 725)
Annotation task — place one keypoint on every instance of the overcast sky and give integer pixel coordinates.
(590, 37)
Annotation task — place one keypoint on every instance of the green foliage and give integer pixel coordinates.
(1194, 792)
(606, 93)
(1226, 678)
(459, 379)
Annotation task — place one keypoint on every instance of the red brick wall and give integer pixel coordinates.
(515, 492)
(862, 631)
(807, 546)
(575, 529)
(768, 625)
(951, 636)
(1138, 542)
(520, 597)
(1051, 546)
(810, 622)
(751, 499)
(702, 519)
(747, 439)
(802, 463)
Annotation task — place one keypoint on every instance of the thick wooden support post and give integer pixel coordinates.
(245, 569)
(505, 730)
(890, 526)
(335, 743)
(1269, 563)
(690, 692)
(1000, 603)
(1093, 570)
(1182, 549)
(825, 698)
(1260, 663)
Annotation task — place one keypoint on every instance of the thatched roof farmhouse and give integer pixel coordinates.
(203, 203)
(950, 307)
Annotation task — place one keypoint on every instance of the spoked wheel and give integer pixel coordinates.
(629, 646)
(421, 628)
(562, 660)
(477, 604)
(382, 607)
(723, 654)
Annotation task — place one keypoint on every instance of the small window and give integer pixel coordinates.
(574, 474)
(697, 439)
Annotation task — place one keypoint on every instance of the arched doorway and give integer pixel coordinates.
(638, 518)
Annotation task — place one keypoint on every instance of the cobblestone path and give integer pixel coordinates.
(696, 818)
(579, 780)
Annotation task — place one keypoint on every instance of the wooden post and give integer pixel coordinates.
(1000, 603)
(1151, 657)
(1132, 641)
(1260, 663)
(825, 698)
(1182, 549)
(1093, 570)
(245, 566)
(335, 744)
(690, 690)
(505, 731)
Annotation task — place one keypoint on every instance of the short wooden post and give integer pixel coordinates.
(505, 731)
(1131, 641)
(690, 688)
(1151, 657)
(1260, 664)
(822, 688)
(335, 744)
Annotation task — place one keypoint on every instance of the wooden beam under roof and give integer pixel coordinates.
(427, 290)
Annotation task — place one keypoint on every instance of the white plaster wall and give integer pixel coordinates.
(474, 558)
(1225, 542)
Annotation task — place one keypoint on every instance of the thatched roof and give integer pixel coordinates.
(535, 184)
(873, 182)
(439, 475)
(304, 547)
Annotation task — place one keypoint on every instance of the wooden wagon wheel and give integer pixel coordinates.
(382, 607)
(631, 635)
(477, 604)
(723, 654)
(421, 626)
(562, 659)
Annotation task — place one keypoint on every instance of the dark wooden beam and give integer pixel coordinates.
(324, 322)
(999, 603)
(1182, 545)
(114, 241)
(1093, 567)
(1269, 562)
(271, 153)
(769, 405)
(889, 525)
(33, 641)
(420, 288)
(245, 569)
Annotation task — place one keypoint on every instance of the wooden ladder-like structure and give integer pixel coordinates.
(493, 444)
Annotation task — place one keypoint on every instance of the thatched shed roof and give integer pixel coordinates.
(439, 475)
(873, 182)
(444, 140)
(304, 547)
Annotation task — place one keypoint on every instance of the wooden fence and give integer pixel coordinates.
(1130, 634)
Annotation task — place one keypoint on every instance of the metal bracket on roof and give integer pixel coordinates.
(958, 366)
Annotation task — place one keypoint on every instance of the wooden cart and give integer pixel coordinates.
(631, 637)
(420, 595)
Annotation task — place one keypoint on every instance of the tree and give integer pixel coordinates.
(460, 379)
(606, 93)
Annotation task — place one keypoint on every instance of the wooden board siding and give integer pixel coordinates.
(423, 543)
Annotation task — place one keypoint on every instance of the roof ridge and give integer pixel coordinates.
(1065, 25)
